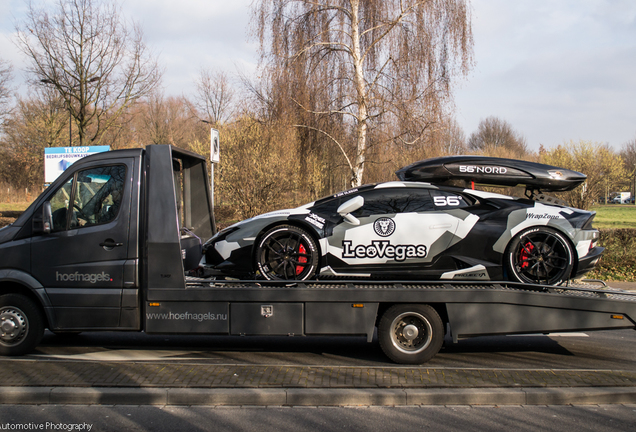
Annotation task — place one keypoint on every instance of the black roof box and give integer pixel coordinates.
(492, 171)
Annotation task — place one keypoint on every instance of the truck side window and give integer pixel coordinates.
(97, 195)
(59, 205)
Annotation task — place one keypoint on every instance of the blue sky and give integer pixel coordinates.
(555, 69)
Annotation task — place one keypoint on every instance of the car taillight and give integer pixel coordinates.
(588, 223)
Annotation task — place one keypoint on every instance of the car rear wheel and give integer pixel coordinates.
(411, 333)
(287, 252)
(540, 256)
(21, 325)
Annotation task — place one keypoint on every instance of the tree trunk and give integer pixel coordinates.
(362, 117)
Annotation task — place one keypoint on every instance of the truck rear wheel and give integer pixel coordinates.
(21, 325)
(411, 333)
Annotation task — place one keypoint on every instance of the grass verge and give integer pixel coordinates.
(619, 259)
(614, 216)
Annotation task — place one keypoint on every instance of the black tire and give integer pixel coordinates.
(411, 333)
(540, 255)
(287, 252)
(21, 325)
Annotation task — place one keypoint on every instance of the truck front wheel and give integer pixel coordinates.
(21, 325)
(411, 333)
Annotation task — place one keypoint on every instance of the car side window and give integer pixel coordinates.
(395, 200)
(448, 200)
(97, 195)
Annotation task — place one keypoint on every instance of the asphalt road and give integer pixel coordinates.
(604, 350)
(597, 418)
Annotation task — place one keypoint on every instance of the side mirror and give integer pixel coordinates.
(47, 217)
(350, 206)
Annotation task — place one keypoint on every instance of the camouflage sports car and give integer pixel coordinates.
(422, 227)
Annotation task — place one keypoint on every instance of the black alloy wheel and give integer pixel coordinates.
(540, 256)
(287, 252)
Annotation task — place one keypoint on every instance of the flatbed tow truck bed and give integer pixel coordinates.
(470, 309)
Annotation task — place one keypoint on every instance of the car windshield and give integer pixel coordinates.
(344, 195)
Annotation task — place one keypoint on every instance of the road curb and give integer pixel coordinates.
(315, 397)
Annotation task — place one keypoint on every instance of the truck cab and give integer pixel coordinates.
(80, 256)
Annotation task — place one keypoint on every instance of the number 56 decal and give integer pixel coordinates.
(446, 200)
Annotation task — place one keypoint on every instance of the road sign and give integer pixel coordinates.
(58, 159)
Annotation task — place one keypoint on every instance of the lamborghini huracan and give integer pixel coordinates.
(430, 225)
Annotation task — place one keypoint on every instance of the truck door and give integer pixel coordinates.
(81, 263)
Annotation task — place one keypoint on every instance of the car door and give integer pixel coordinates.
(81, 262)
(399, 227)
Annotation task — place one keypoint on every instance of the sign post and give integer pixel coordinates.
(215, 152)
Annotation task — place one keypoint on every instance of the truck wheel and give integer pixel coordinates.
(540, 255)
(411, 333)
(287, 252)
(21, 325)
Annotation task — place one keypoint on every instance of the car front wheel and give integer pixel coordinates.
(287, 252)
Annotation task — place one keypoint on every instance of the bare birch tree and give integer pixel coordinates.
(628, 153)
(369, 63)
(215, 97)
(495, 134)
(97, 62)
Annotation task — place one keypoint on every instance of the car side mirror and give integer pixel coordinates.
(350, 206)
(47, 217)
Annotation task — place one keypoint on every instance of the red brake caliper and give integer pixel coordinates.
(525, 254)
(302, 250)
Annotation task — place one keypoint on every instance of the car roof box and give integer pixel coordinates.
(492, 171)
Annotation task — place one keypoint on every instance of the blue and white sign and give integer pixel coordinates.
(57, 159)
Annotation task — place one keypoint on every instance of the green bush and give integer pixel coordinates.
(619, 259)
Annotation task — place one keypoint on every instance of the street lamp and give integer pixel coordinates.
(70, 114)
